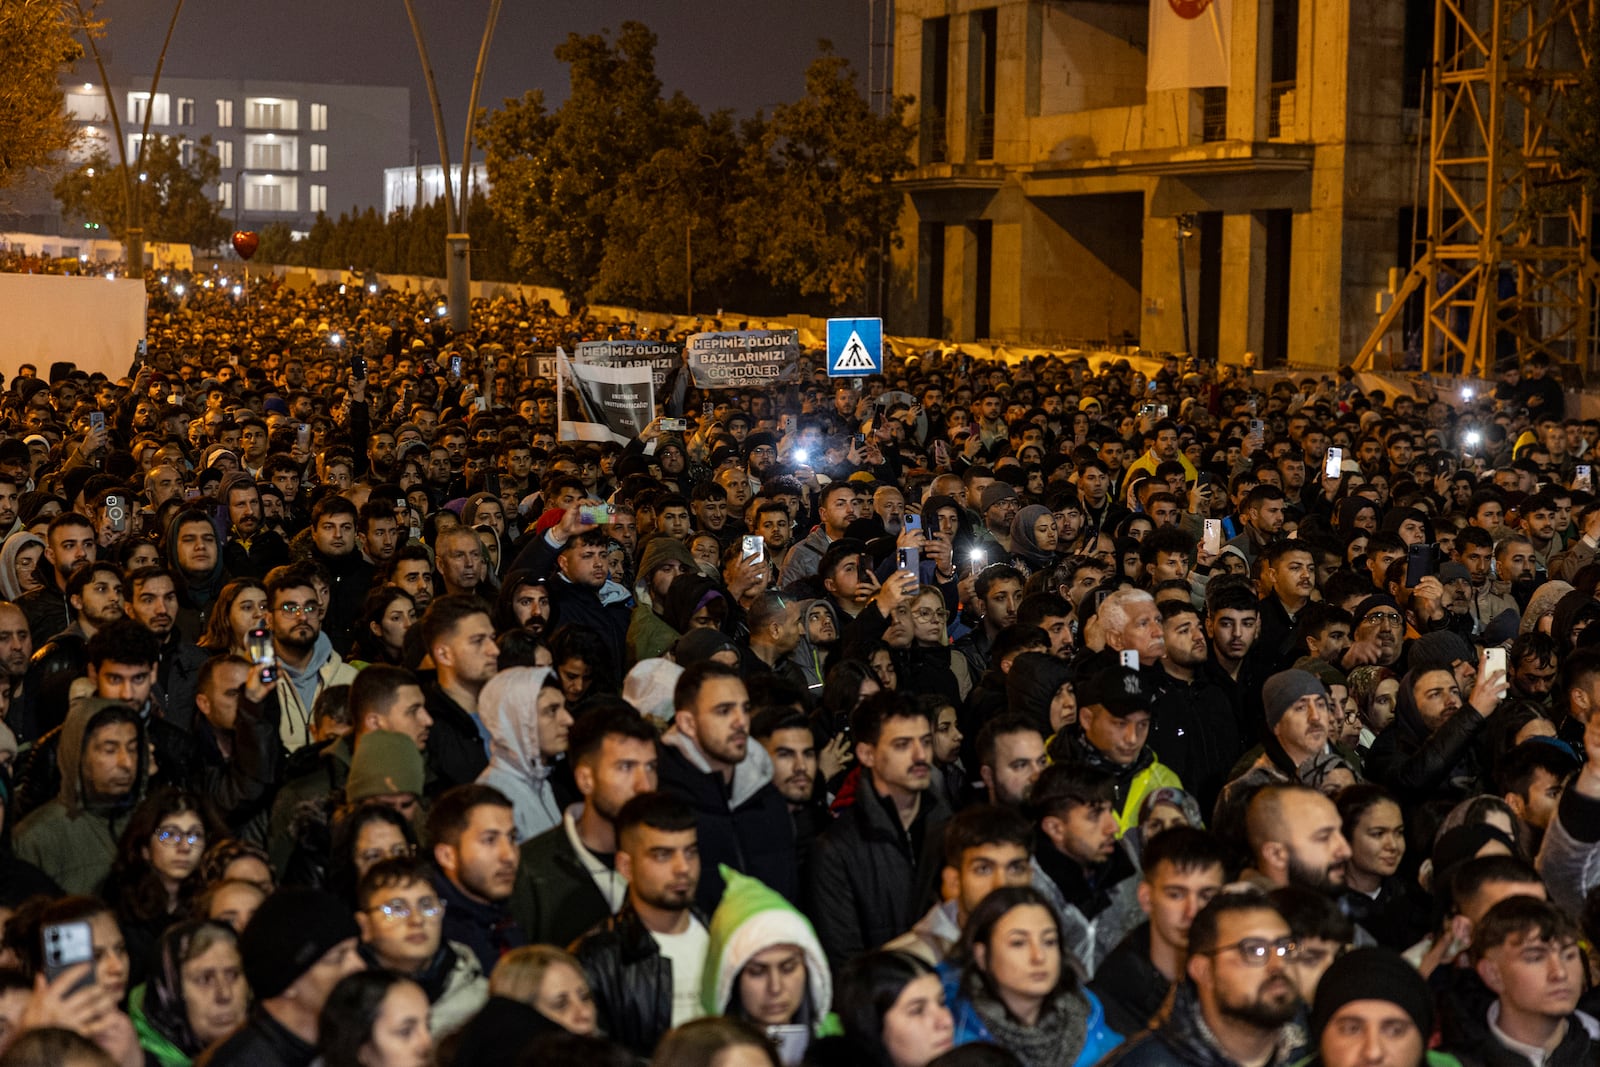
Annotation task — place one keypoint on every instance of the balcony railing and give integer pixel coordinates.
(1280, 108)
(1214, 114)
(985, 136)
(935, 141)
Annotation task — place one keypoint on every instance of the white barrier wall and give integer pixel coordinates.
(92, 322)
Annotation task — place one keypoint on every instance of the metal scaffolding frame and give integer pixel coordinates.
(1505, 266)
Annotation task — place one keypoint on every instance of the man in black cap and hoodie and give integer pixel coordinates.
(295, 949)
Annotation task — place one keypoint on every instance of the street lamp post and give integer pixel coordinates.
(1185, 231)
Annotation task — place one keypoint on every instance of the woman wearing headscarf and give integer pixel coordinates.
(174, 1027)
(1033, 539)
(525, 713)
(14, 579)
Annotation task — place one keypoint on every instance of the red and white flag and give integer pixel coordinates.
(1190, 42)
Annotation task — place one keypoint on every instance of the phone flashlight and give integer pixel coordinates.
(1472, 439)
(1466, 393)
(977, 554)
(801, 455)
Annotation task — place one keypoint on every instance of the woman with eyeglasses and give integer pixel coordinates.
(196, 994)
(401, 918)
(1019, 988)
(157, 870)
(932, 668)
(363, 837)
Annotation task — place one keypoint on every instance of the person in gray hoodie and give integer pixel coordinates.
(525, 712)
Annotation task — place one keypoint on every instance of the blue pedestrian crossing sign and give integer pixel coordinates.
(855, 347)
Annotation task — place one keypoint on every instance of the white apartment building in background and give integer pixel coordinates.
(288, 150)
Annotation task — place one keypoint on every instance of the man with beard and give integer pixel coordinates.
(624, 955)
(333, 544)
(458, 634)
(1295, 839)
(69, 543)
(1011, 757)
(473, 835)
(870, 869)
(1236, 1003)
(16, 649)
(567, 879)
(708, 761)
(1262, 513)
(150, 598)
(412, 570)
(380, 532)
(251, 549)
(1192, 728)
(304, 653)
(791, 744)
(1428, 753)
(1380, 627)
(774, 622)
(1091, 879)
(95, 596)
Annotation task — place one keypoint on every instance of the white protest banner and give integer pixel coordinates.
(660, 356)
(743, 359)
(1189, 44)
(604, 403)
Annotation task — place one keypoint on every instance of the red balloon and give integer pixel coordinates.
(245, 242)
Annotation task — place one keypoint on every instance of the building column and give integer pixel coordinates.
(1243, 287)
(1250, 64)
(960, 281)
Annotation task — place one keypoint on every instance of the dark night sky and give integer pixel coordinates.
(739, 54)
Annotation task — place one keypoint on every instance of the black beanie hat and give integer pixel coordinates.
(291, 930)
(1372, 974)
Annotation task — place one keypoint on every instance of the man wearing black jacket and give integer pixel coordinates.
(457, 633)
(567, 879)
(645, 962)
(570, 555)
(708, 761)
(237, 733)
(871, 872)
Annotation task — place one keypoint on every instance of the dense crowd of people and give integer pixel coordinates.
(1045, 713)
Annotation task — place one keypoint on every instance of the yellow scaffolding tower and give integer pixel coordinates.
(1506, 264)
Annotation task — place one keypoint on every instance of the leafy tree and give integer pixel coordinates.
(822, 201)
(556, 174)
(177, 201)
(36, 46)
(681, 203)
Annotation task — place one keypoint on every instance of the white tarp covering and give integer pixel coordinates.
(94, 323)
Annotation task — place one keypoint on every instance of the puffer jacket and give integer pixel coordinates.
(1419, 766)
(1099, 1039)
(508, 708)
(744, 824)
(1182, 1039)
(864, 881)
(70, 838)
(631, 980)
(1032, 684)
(456, 986)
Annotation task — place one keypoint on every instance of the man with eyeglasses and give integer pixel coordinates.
(1380, 628)
(401, 918)
(1235, 1003)
(305, 655)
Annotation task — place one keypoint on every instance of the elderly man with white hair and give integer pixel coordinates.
(1131, 622)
